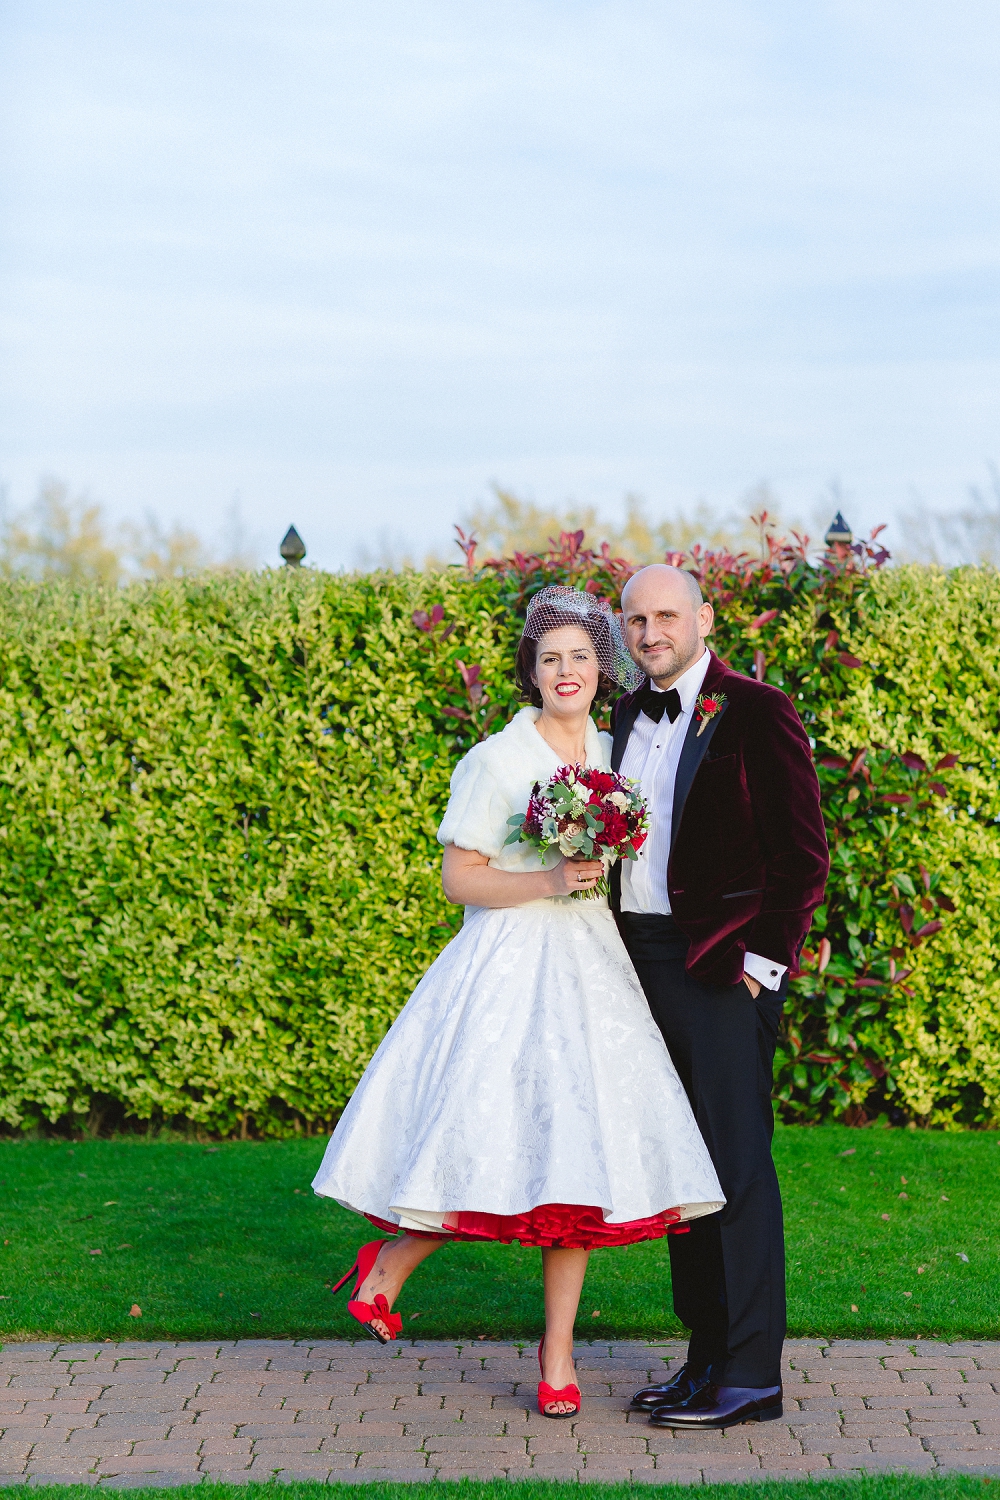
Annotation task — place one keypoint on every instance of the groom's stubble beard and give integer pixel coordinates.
(668, 665)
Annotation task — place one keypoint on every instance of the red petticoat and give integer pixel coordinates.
(563, 1226)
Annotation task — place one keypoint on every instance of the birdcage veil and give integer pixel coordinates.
(555, 607)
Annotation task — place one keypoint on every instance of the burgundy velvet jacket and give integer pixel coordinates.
(748, 855)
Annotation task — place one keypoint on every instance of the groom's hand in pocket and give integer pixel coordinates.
(752, 985)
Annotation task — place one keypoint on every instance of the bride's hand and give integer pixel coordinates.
(571, 875)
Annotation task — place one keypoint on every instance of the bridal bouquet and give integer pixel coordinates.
(585, 814)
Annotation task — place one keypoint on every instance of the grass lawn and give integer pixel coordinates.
(873, 1487)
(229, 1242)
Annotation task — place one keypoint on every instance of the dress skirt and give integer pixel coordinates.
(524, 1093)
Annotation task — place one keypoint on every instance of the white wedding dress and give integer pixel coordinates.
(524, 1091)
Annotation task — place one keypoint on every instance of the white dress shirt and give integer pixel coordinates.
(651, 757)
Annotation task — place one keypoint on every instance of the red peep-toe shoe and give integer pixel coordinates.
(365, 1312)
(546, 1395)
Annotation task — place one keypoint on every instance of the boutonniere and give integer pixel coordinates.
(707, 706)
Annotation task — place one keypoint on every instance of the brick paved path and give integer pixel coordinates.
(128, 1414)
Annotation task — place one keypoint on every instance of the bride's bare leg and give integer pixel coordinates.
(396, 1259)
(563, 1271)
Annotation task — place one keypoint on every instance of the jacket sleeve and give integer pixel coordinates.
(784, 796)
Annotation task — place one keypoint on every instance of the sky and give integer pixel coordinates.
(353, 265)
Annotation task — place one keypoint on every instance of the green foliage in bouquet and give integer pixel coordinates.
(218, 799)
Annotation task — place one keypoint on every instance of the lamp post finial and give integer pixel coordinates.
(293, 548)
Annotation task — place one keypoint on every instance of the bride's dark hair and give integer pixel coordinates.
(556, 607)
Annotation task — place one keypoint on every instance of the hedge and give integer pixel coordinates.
(218, 798)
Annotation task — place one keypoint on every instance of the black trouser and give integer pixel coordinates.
(729, 1271)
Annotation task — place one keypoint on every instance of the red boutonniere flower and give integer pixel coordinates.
(707, 705)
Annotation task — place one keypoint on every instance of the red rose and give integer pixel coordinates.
(599, 781)
(615, 829)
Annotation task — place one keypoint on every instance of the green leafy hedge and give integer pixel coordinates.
(217, 860)
(218, 873)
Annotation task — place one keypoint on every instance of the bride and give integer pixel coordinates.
(524, 1091)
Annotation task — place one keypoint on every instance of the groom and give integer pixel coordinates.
(713, 914)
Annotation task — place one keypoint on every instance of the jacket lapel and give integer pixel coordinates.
(624, 719)
(694, 747)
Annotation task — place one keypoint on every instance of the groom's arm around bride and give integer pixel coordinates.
(714, 914)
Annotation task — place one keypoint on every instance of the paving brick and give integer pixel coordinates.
(215, 1447)
(553, 1467)
(554, 1444)
(668, 1475)
(812, 1463)
(775, 1446)
(449, 1426)
(913, 1403)
(486, 1446)
(894, 1387)
(472, 1471)
(897, 1445)
(835, 1445)
(714, 1473)
(55, 1477)
(930, 1428)
(383, 1476)
(145, 1481)
(144, 1464)
(837, 1403)
(591, 1420)
(975, 1441)
(915, 1461)
(293, 1443)
(390, 1461)
(663, 1441)
(165, 1448)
(607, 1464)
(877, 1425)
(81, 1464)
(268, 1428)
(142, 1423)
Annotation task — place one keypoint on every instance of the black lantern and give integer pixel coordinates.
(839, 534)
(293, 548)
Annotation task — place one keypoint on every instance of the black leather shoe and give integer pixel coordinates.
(720, 1406)
(683, 1385)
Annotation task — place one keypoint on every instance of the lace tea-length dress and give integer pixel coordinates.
(524, 1091)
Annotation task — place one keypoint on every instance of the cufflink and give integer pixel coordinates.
(774, 973)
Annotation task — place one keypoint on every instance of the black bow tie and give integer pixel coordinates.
(654, 705)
